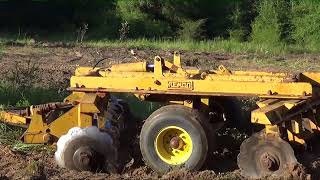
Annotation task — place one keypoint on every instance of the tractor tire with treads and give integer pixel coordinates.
(174, 137)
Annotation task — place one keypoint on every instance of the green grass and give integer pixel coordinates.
(9, 135)
(218, 45)
(12, 96)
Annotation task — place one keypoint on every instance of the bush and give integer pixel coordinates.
(191, 30)
(265, 28)
(306, 18)
(141, 21)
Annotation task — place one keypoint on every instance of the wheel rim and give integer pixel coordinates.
(173, 145)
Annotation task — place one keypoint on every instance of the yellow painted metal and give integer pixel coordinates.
(36, 130)
(188, 103)
(38, 127)
(272, 111)
(266, 102)
(177, 102)
(88, 103)
(12, 118)
(224, 70)
(295, 127)
(182, 86)
(177, 59)
(80, 115)
(294, 138)
(311, 77)
(205, 101)
(168, 154)
(158, 71)
(245, 78)
(309, 125)
(282, 93)
(168, 78)
(272, 129)
(74, 97)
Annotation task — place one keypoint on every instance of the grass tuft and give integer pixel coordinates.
(9, 136)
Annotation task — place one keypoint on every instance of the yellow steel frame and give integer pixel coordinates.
(283, 95)
(282, 92)
(81, 114)
(168, 78)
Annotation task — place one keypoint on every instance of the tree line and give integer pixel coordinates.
(261, 21)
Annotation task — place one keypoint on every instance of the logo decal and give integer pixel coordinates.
(188, 85)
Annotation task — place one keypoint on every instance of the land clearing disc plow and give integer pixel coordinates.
(90, 127)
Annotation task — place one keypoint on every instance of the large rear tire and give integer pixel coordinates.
(174, 137)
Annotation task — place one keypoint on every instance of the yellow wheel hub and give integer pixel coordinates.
(173, 145)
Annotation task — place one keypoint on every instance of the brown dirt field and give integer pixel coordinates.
(57, 64)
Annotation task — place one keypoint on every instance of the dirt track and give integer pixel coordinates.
(57, 64)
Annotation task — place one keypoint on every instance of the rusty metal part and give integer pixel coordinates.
(176, 143)
(263, 154)
(269, 161)
(44, 108)
(85, 158)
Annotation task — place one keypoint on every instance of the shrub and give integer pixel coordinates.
(265, 28)
(191, 30)
(306, 18)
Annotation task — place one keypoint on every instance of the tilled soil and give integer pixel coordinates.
(57, 64)
(41, 165)
(55, 67)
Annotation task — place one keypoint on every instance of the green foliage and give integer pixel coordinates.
(237, 32)
(9, 135)
(271, 25)
(141, 19)
(265, 28)
(218, 45)
(24, 102)
(191, 30)
(306, 18)
(34, 168)
(11, 95)
(20, 87)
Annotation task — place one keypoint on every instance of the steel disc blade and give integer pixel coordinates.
(99, 142)
(254, 149)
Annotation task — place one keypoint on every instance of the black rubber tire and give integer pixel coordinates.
(235, 116)
(175, 115)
